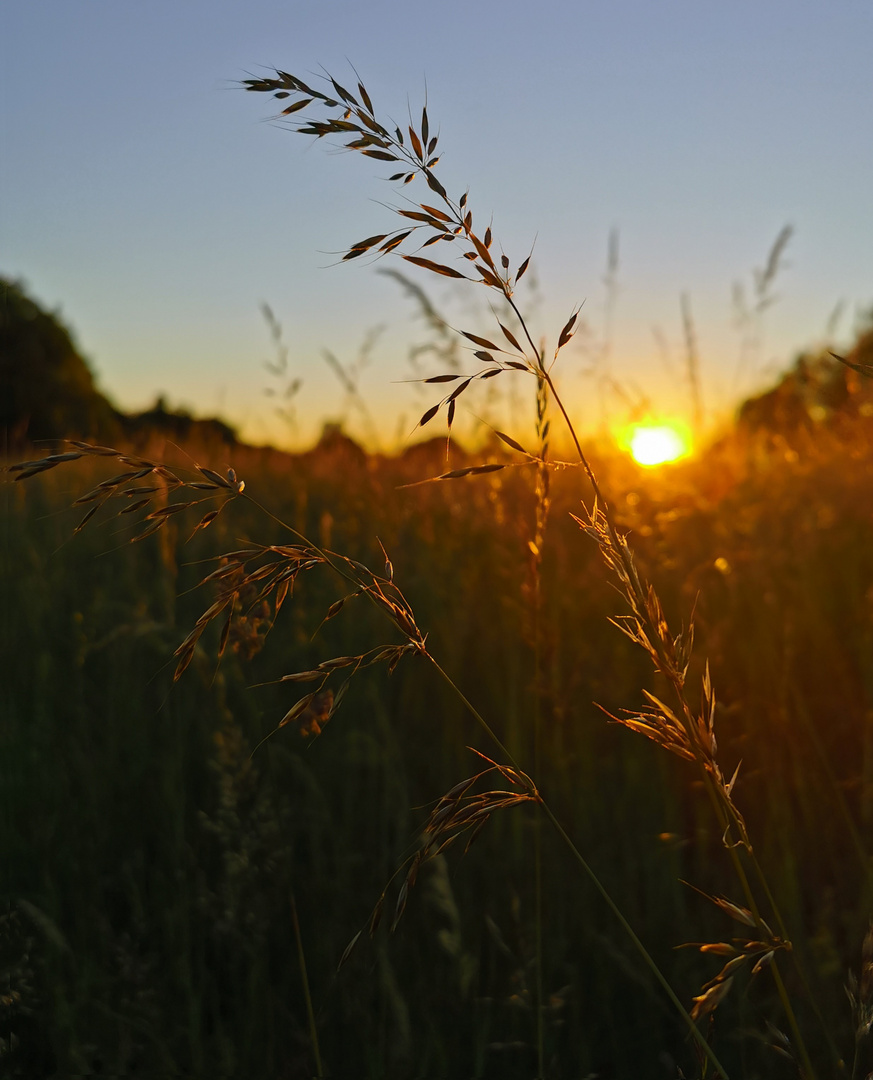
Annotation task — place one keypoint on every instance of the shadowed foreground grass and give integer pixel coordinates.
(150, 860)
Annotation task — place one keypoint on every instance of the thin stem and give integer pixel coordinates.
(310, 1013)
(474, 712)
(542, 506)
(523, 324)
(577, 855)
(644, 953)
(538, 916)
(725, 814)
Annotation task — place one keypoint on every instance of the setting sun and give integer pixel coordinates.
(657, 443)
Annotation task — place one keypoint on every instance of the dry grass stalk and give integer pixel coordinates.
(740, 952)
(252, 583)
(286, 389)
(461, 811)
(266, 574)
(749, 317)
(354, 120)
(684, 730)
(689, 733)
(141, 497)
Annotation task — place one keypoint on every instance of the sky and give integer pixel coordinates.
(157, 207)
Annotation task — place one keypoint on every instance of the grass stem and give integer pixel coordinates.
(304, 978)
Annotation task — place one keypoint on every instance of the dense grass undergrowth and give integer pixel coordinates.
(150, 860)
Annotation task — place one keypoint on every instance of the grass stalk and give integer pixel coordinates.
(307, 993)
(539, 539)
(588, 870)
(727, 816)
(269, 571)
(640, 947)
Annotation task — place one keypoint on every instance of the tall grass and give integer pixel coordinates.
(533, 1011)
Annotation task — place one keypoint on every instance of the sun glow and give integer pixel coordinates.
(653, 443)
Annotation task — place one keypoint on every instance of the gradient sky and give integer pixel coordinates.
(146, 198)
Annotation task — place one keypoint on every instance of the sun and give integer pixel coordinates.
(655, 443)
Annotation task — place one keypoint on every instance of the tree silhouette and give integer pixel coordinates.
(48, 388)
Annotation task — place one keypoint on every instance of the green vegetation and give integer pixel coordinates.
(174, 859)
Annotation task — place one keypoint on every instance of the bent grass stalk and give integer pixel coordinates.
(256, 573)
(687, 734)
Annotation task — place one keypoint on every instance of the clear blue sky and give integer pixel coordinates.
(145, 196)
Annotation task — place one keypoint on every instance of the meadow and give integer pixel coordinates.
(151, 859)
(195, 867)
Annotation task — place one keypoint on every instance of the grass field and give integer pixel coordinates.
(150, 861)
(200, 844)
